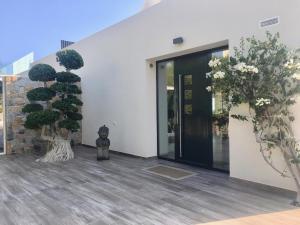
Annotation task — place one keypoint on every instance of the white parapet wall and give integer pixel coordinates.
(119, 86)
(150, 3)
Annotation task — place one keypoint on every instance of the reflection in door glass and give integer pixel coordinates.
(188, 80)
(220, 120)
(188, 95)
(188, 109)
(167, 109)
(1, 118)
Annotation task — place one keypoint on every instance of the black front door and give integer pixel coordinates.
(194, 129)
(188, 114)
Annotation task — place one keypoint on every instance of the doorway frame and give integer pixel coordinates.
(223, 47)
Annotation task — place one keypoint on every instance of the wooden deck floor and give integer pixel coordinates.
(120, 191)
(291, 217)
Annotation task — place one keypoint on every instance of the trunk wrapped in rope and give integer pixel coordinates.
(60, 148)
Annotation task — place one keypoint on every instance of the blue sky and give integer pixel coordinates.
(39, 25)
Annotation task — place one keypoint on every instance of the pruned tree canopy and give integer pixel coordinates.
(72, 99)
(42, 72)
(74, 116)
(70, 59)
(36, 120)
(67, 77)
(32, 108)
(64, 106)
(40, 94)
(66, 88)
(69, 124)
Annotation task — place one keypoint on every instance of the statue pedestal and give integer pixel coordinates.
(102, 154)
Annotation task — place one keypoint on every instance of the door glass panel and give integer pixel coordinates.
(188, 80)
(167, 109)
(188, 95)
(220, 120)
(188, 109)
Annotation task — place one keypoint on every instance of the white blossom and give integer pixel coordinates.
(219, 75)
(208, 88)
(253, 69)
(292, 99)
(291, 64)
(240, 67)
(214, 63)
(296, 76)
(208, 75)
(262, 101)
(244, 68)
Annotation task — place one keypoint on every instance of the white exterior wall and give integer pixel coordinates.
(119, 87)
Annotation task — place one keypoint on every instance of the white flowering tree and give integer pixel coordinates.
(266, 76)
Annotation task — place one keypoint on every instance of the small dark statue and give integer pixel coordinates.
(103, 144)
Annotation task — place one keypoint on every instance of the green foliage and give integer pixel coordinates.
(74, 116)
(71, 99)
(32, 121)
(261, 76)
(66, 88)
(266, 76)
(36, 120)
(40, 94)
(42, 72)
(69, 124)
(61, 111)
(70, 59)
(295, 161)
(221, 119)
(240, 117)
(32, 108)
(67, 77)
(64, 106)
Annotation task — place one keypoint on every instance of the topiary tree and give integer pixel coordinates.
(39, 98)
(54, 108)
(266, 76)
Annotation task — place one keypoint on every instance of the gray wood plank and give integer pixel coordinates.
(119, 191)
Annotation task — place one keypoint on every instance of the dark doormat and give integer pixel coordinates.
(170, 172)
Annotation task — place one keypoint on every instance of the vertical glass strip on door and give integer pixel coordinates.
(220, 119)
(167, 109)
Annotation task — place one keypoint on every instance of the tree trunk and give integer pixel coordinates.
(296, 202)
(60, 151)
